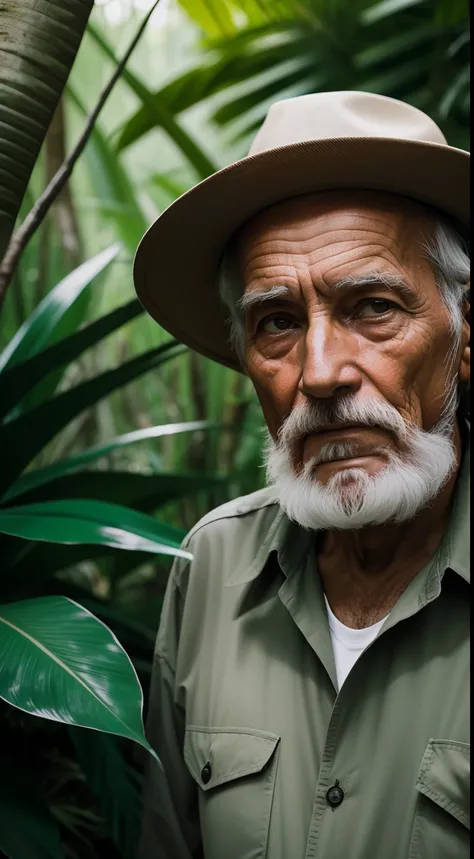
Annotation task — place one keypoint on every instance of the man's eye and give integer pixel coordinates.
(374, 307)
(276, 324)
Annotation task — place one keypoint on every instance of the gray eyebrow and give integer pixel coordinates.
(259, 296)
(389, 279)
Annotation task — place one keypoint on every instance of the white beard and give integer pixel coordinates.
(352, 498)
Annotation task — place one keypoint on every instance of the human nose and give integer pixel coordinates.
(328, 362)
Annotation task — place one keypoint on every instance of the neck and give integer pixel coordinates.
(365, 571)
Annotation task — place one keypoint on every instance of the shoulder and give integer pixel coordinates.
(243, 513)
(227, 538)
(227, 542)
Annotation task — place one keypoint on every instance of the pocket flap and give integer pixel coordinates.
(444, 777)
(217, 755)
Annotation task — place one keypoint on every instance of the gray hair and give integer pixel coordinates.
(445, 249)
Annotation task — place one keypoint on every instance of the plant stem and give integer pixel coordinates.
(34, 218)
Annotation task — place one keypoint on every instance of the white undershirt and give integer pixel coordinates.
(348, 643)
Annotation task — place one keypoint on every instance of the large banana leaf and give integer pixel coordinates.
(39, 43)
(59, 662)
(41, 476)
(53, 415)
(27, 827)
(19, 380)
(123, 624)
(114, 785)
(90, 522)
(132, 633)
(40, 328)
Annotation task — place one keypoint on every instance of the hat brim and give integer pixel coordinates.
(176, 262)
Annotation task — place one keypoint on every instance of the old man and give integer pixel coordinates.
(309, 697)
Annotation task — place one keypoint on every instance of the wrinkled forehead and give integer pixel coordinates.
(324, 214)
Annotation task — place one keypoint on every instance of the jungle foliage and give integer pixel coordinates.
(115, 438)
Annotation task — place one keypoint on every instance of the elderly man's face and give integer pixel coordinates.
(360, 317)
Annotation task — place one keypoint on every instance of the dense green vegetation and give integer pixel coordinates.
(115, 438)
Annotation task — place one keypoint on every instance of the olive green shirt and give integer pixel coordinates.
(247, 720)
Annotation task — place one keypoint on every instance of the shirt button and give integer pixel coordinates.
(335, 795)
(206, 773)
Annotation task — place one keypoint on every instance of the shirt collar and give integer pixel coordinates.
(292, 543)
(288, 540)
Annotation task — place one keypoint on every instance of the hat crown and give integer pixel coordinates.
(351, 113)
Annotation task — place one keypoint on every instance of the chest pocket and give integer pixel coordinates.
(442, 825)
(235, 769)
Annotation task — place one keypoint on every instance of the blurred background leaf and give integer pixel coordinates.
(113, 783)
(28, 829)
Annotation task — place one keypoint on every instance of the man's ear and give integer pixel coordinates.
(465, 359)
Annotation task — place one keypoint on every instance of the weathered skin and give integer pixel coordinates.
(321, 341)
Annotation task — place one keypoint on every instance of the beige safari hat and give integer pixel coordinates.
(323, 141)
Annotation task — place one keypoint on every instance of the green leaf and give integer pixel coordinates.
(39, 43)
(33, 479)
(37, 332)
(61, 663)
(119, 621)
(111, 781)
(213, 16)
(462, 40)
(50, 417)
(452, 13)
(172, 187)
(386, 8)
(390, 49)
(17, 381)
(330, 36)
(111, 185)
(56, 323)
(449, 98)
(27, 827)
(143, 492)
(92, 522)
(197, 158)
(398, 82)
(240, 106)
(194, 86)
(131, 632)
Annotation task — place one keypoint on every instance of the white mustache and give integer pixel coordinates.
(313, 417)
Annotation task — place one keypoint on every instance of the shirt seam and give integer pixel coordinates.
(162, 658)
(231, 515)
